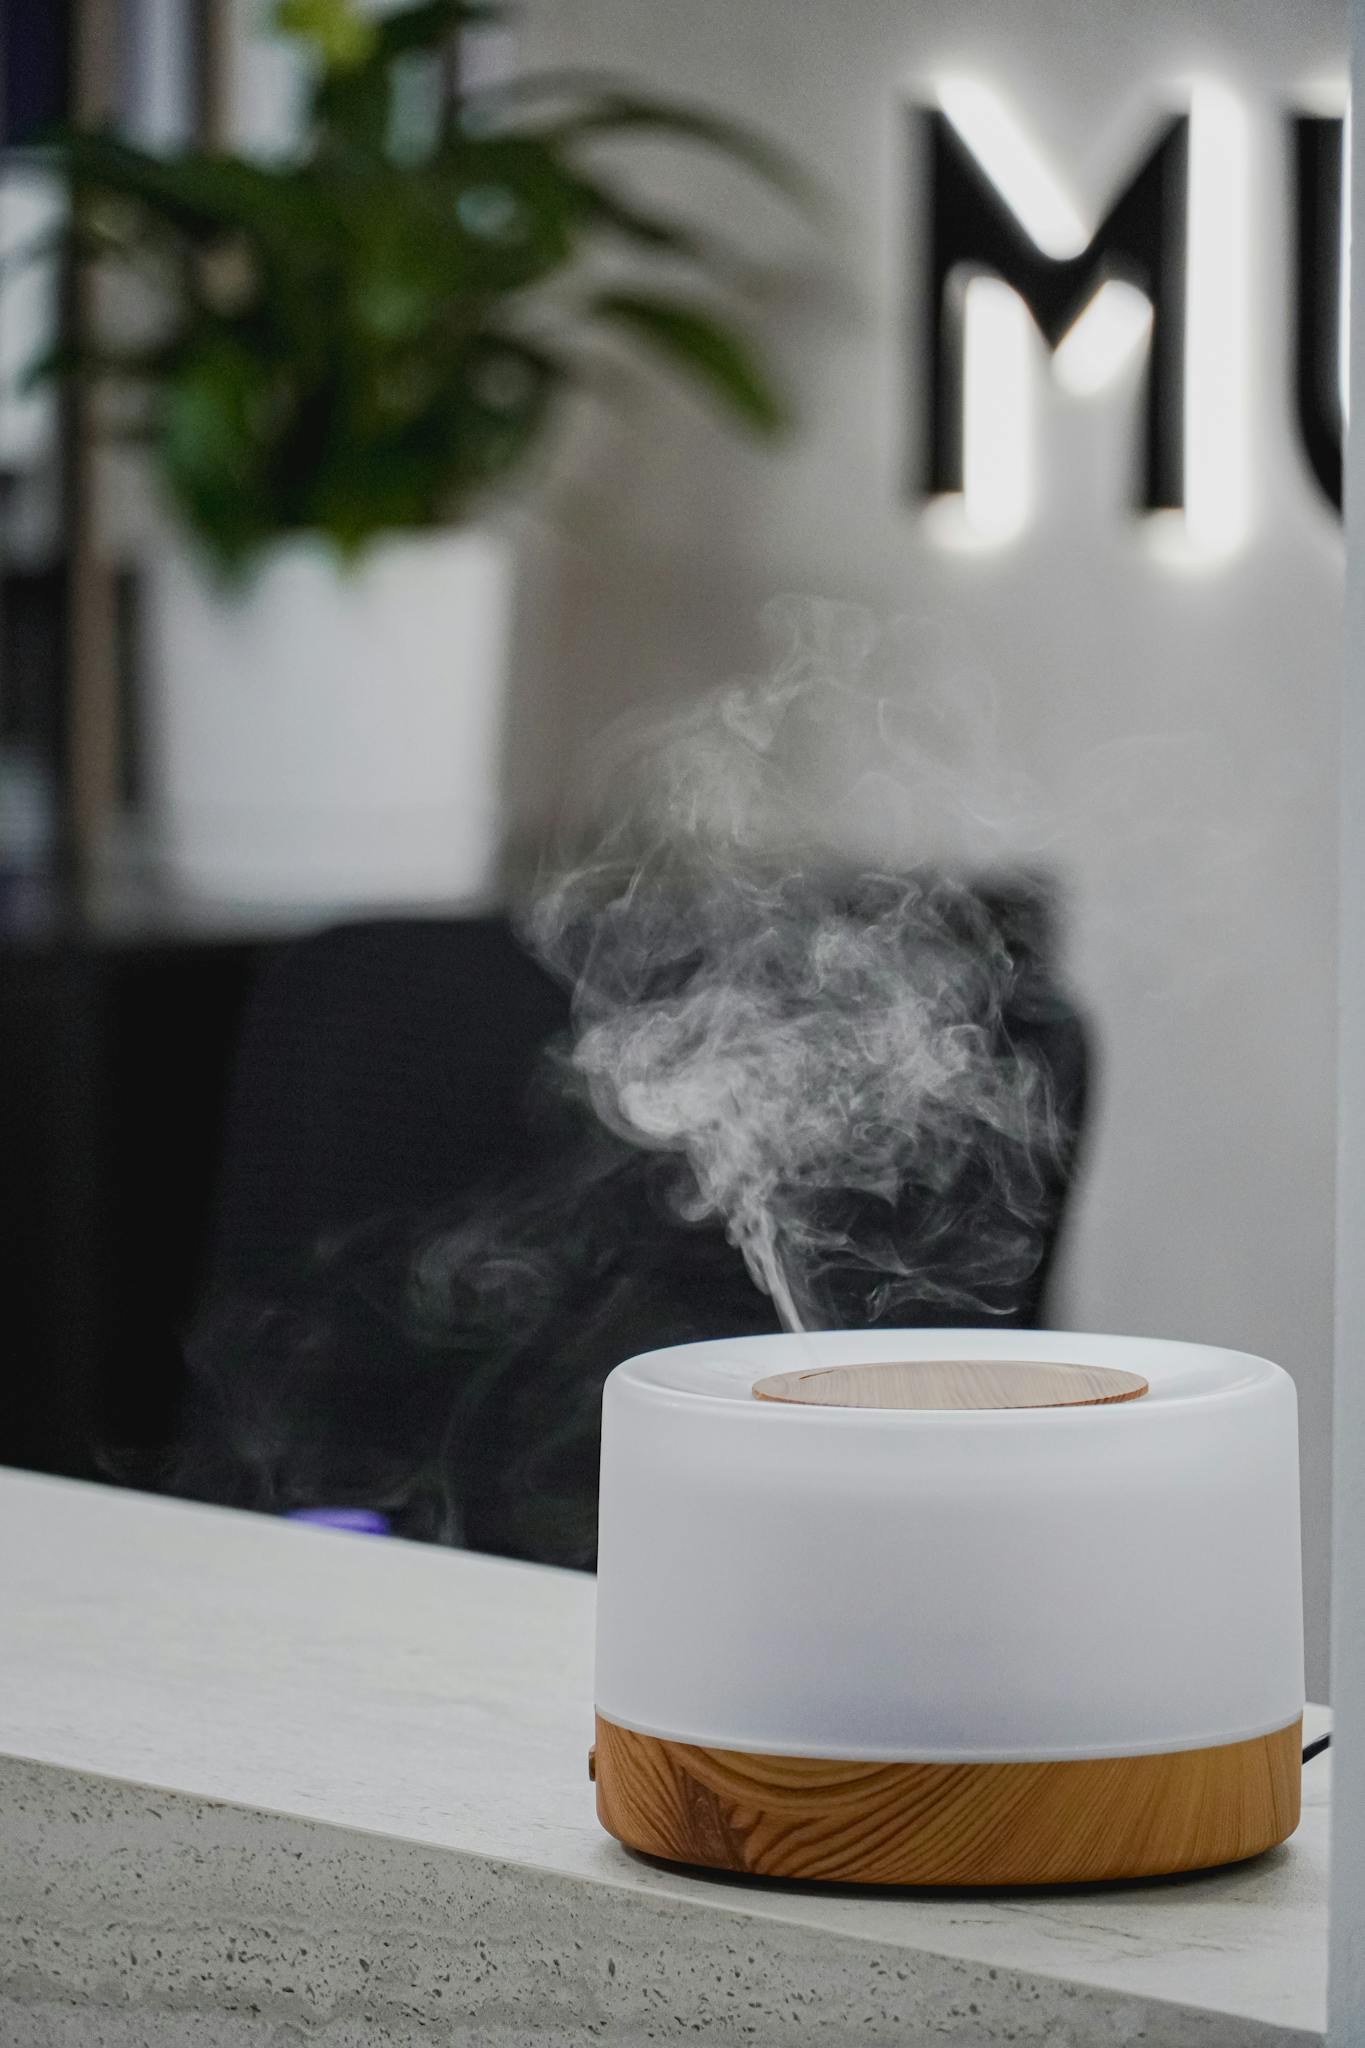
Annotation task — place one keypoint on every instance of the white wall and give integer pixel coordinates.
(1203, 868)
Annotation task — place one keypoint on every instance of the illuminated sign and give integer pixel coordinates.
(1166, 271)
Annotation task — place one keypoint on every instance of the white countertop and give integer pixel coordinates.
(373, 1745)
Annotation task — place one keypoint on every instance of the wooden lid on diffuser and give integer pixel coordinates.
(956, 1383)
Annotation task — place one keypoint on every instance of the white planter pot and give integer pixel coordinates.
(325, 738)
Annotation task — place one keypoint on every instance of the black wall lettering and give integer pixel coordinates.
(1317, 297)
(1141, 240)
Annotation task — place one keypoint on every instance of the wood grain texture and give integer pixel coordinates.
(954, 1383)
(838, 1822)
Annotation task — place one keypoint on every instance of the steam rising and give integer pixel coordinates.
(866, 1076)
(824, 1051)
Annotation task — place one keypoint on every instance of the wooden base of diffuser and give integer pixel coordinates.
(1060, 1822)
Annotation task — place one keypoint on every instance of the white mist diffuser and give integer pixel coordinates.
(949, 1607)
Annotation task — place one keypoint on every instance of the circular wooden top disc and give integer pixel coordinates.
(954, 1383)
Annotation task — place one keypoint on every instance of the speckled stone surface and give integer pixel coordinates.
(269, 1785)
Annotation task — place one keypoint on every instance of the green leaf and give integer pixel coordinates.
(214, 433)
(516, 205)
(708, 349)
(353, 103)
(679, 123)
(618, 112)
(429, 25)
(94, 359)
(195, 193)
(341, 34)
(655, 233)
(474, 429)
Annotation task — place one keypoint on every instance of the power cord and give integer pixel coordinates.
(1316, 1748)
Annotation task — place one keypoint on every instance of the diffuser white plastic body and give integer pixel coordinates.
(979, 1599)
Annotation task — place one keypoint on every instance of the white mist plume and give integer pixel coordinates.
(851, 1067)
(827, 1050)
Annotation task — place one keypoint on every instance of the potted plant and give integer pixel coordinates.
(348, 352)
